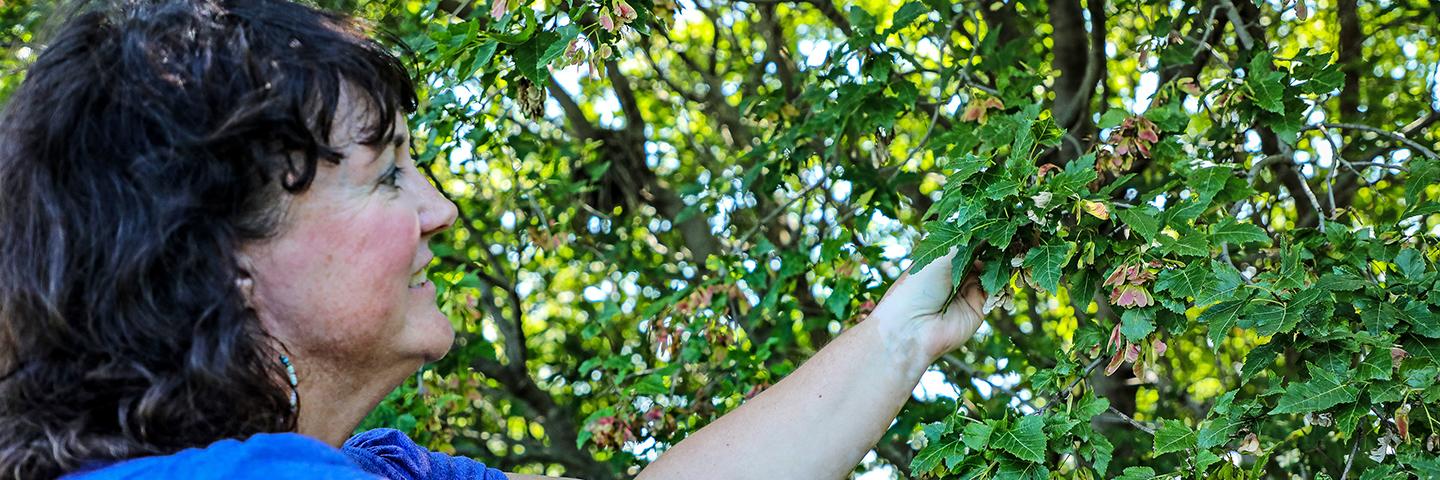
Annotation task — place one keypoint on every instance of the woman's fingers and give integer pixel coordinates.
(975, 294)
(972, 294)
(933, 273)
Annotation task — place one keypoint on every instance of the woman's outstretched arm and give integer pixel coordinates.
(820, 420)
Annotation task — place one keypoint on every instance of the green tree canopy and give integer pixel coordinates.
(1208, 227)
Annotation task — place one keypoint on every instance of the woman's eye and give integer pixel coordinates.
(392, 177)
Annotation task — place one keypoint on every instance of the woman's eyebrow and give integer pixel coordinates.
(394, 140)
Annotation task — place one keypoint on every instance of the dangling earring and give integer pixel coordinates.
(247, 290)
(294, 381)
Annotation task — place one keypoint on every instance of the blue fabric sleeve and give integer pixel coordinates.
(391, 454)
(266, 456)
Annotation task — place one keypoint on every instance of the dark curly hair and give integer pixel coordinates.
(149, 140)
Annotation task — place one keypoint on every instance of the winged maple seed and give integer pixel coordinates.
(1129, 282)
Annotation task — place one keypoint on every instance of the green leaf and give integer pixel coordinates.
(1383, 317)
(1173, 436)
(1238, 233)
(479, 57)
(1112, 119)
(905, 16)
(1144, 221)
(996, 276)
(1227, 283)
(1045, 263)
(1378, 365)
(533, 57)
(1207, 182)
(1101, 451)
(1423, 321)
(1257, 360)
(1266, 87)
(1076, 176)
(1340, 282)
(652, 384)
(1423, 173)
(1221, 319)
(1136, 323)
(1425, 466)
(1013, 470)
(1186, 245)
(1002, 188)
(1090, 406)
(1025, 439)
(1411, 263)
(997, 233)
(840, 296)
(1191, 281)
(963, 168)
(977, 435)
(962, 264)
(930, 459)
(1427, 208)
(1379, 472)
(1137, 473)
(1270, 319)
(565, 34)
(1323, 390)
(1214, 433)
(940, 237)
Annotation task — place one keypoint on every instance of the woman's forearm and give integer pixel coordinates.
(818, 422)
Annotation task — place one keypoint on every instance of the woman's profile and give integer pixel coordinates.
(213, 244)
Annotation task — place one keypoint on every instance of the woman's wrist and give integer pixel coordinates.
(902, 343)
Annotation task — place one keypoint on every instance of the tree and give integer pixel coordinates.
(1208, 227)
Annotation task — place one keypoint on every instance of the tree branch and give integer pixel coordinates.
(1398, 137)
(1132, 421)
(1065, 393)
(1350, 459)
(581, 125)
(1241, 31)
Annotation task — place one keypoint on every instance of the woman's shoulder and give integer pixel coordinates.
(266, 456)
(391, 454)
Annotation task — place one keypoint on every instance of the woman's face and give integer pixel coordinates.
(343, 283)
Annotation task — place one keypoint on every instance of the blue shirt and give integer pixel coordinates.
(380, 453)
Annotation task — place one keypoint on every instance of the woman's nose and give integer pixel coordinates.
(437, 213)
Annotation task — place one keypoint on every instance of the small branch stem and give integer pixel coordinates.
(1398, 137)
(1062, 394)
(1350, 460)
(1132, 421)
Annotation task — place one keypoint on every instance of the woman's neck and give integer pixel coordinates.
(334, 402)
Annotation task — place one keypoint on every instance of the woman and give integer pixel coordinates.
(212, 252)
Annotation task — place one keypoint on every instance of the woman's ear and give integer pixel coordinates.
(244, 279)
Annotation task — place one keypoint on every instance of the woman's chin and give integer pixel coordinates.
(439, 335)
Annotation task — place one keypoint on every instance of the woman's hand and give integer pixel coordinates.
(911, 310)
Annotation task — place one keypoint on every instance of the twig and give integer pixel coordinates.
(1314, 202)
(1350, 460)
(944, 83)
(740, 242)
(1239, 24)
(958, 365)
(1380, 165)
(1330, 175)
(1132, 421)
(1062, 394)
(1382, 132)
(1259, 165)
(1225, 254)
